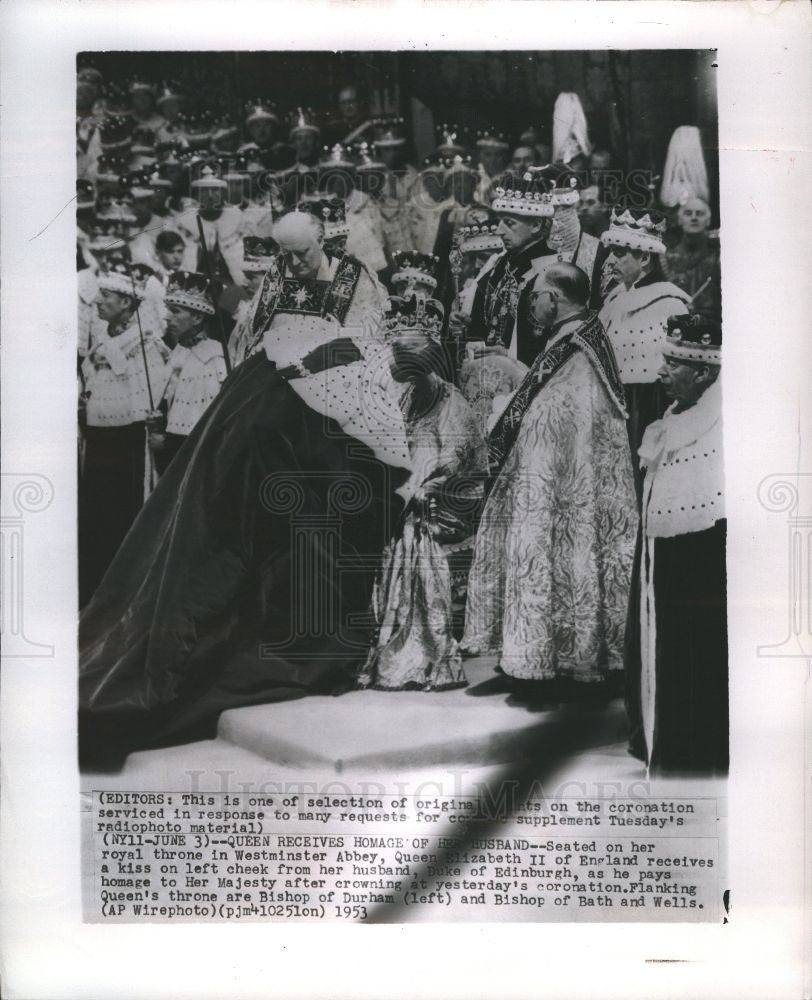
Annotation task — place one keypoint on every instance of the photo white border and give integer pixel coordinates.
(766, 176)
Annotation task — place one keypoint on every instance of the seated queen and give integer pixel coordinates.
(413, 644)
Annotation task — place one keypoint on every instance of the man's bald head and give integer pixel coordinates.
(570, 281)
(297, 226)
(559, 293)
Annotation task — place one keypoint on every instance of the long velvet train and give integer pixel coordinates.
(246, 577)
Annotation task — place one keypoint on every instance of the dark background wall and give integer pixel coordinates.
(633, 99)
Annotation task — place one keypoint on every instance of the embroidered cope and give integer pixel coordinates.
(549, 586)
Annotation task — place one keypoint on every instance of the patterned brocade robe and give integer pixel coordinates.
(549, 585)
(413, 645)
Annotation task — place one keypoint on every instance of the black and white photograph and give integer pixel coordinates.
(400, 391)
(402, 556)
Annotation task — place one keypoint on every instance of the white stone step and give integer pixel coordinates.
(380, 730)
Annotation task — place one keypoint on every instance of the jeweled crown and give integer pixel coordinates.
(122, 277)
(479, 238)
(115, 131)
(257, 253)
(410, 268)
(190, 290)
(636, 229)
(331, 212)
(303, 120)
(693, 337)
(525, 195)
(450, 140)
(413, 314)
(337, 157)
(388, 131)
(491, 137)
(258, 109)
